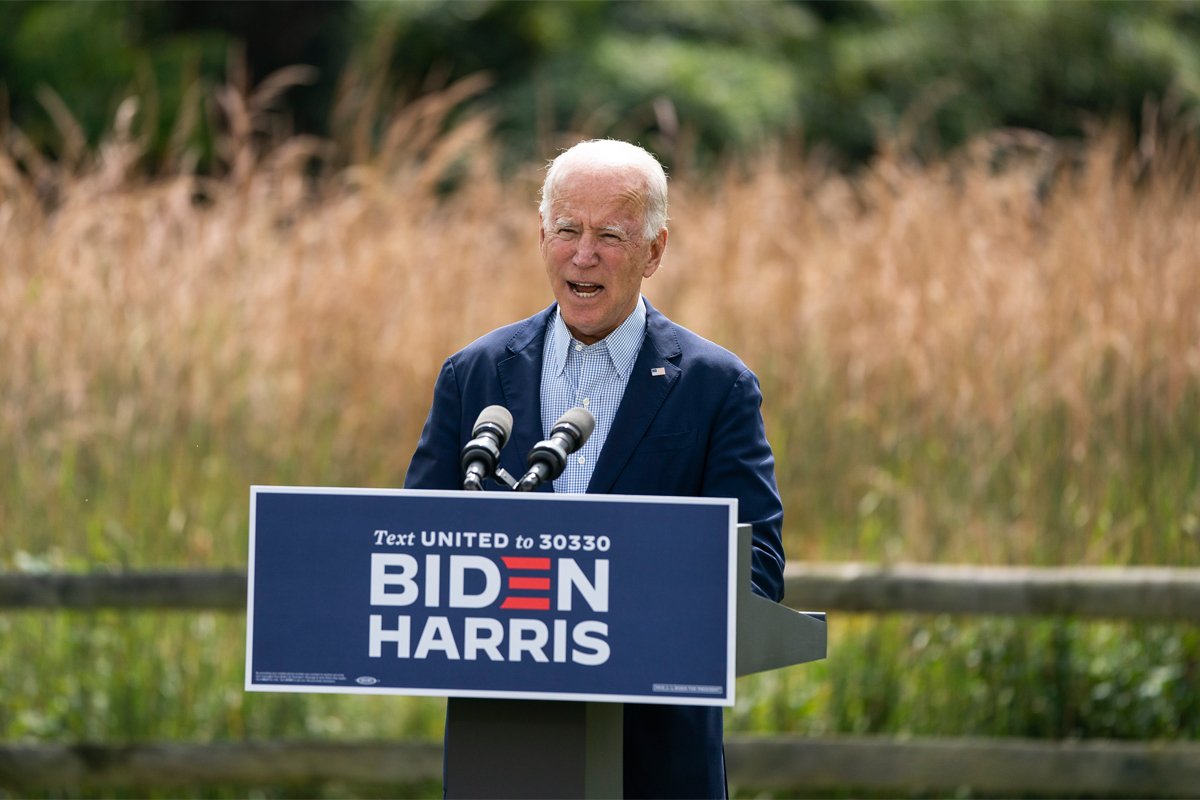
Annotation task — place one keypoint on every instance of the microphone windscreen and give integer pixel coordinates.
(500, 417)
(581, 420)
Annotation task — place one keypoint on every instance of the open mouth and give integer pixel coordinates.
(584, 289)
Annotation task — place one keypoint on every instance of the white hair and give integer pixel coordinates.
(617, 155)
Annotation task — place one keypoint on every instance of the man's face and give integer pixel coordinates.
(595, 250)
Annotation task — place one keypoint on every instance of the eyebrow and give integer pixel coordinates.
(571, 221)
(561, 222)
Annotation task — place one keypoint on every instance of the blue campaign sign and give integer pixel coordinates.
(611, 598)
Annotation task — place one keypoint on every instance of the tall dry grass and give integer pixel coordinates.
(956, 356)
(1001, 345)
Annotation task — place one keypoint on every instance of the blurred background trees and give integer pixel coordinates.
(693, 80)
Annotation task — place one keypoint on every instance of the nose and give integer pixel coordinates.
(585, 251)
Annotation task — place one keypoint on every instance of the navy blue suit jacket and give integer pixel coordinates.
(694, 431)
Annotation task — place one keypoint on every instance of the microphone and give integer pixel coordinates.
(548, 458)
(481, 455)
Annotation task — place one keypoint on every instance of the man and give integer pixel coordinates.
(675, 414)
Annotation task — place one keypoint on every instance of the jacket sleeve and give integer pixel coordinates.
(739, 463)
(434, 465)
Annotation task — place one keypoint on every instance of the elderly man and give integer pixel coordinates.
(675, 414)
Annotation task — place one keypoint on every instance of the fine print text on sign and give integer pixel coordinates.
(465, 594)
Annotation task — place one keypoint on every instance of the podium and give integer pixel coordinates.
(537, 616)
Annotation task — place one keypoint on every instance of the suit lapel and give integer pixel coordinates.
(654, 375)
(521, 379)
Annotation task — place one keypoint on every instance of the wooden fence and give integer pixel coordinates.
(784, 764)
(1003, 767)
(1091, 592)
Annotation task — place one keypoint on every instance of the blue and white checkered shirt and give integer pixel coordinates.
(593, 376)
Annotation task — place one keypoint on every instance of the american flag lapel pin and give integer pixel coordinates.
(658, 372)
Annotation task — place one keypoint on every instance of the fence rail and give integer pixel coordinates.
(196, 590)
(784, 764)
(1096, 592)
(756, 763)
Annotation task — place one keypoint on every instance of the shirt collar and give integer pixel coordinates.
(622, 344)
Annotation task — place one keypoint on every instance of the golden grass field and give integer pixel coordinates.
(990, 358)
(920, 330)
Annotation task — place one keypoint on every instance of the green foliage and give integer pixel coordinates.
(939, 676)
(689, 78)
(97, 39)
(68, 65)
(964, 68)
(127, 678)
(621, 69)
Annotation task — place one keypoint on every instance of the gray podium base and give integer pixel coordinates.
(533, 749)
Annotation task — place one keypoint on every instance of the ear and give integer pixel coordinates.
(541, 231)
(657, 247)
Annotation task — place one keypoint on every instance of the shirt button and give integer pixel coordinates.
(587, 401)
(582, 459)
(578, 347)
